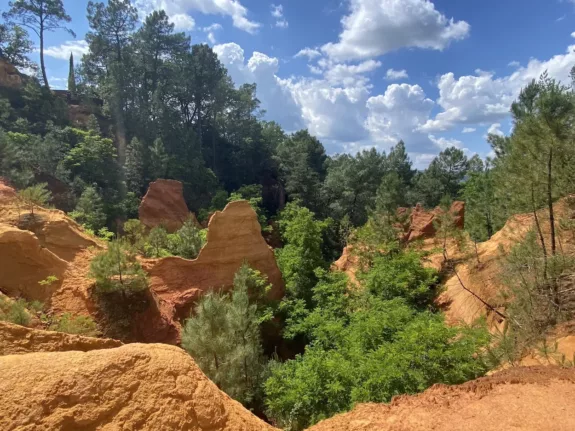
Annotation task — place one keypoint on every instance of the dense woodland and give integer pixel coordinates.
(164, 108)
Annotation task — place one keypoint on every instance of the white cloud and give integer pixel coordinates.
(183, 22)
(398, 114)
(514, 64)
(232, 8)
(444, 143)
(350, 75)
(276, 99)
(277, 12)
(375, 27)
(484, 98)
(394, 75)
(63, 51)
(310, 53)
(495, 129)
(468, 130)
(211, 31)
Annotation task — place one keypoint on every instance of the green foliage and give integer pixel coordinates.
(41, 16)
(135, 234)
(71, 77)
(36, 195)
(302, 253)
(79, 325)
(253, 194)
(48, 281)
(90, 210)
(401, 275)
(368, 350)
(117, 269)
(157, 242)
(14, 311)
(15, 45)
(223, 336)
(134, 167)
(187, 241)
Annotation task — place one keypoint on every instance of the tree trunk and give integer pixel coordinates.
(539, 231)
(550, 204)
(42, 65)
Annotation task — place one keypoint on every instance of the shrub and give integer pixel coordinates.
(18, 311)
(117, 269)
(36, 195)
(70, 324)
(188, 241)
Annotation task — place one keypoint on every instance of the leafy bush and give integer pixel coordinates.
(401, 275)
(187, 241)
(90, 210)
(18, 311)
(370, 345)
(157, 242)
(70, 324)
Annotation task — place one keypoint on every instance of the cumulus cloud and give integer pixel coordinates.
(310, 53)
(398, 114)
(183, 22)
(63, 51)
(261, 69)
(468, 130)
(394, 75)
(485, 98)
(350, 75)
(375, 27)
(175, 8)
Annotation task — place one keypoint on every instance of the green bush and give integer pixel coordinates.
(187, 241)
(70, 324)
(18, 311)
(117, 269)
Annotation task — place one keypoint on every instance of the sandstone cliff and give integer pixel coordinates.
(133, 387)
(17, 340)
(234, 237)
(164, 205)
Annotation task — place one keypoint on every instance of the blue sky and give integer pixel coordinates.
(362, 73)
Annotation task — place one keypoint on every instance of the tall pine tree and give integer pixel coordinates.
(72, 77)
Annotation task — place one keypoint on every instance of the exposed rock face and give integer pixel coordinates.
(133, 387)
(9, 75)
(24, 262)
(421, 223)
(527, 399)
(234, 236)
(16, 340)
(164, 205)
(348, 263)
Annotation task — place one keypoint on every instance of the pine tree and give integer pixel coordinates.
(89, 210)
(158, 160)
(72, 77)
(36, 195)
(134, 167)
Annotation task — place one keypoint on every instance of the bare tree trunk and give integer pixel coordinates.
(42, 65)
(539, 231)
(550, 204)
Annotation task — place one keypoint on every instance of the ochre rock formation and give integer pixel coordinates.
(132, 387)
(53, 228)
(17, 340)
(164, 205)
(24, 262)
(234, 236)
(526, 399)
(348, 263)
(9, 75)
(421, 223)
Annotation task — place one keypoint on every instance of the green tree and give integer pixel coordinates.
(187, 241)
(302, 162)
(116, 269)
(72, 77)
(40, 16)
(15, 45)
(157, 242)
(89, 210)
(223, 336)
(134, 167)
(36, 195)
(158, 160)
(302, 253)
(444, 176)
